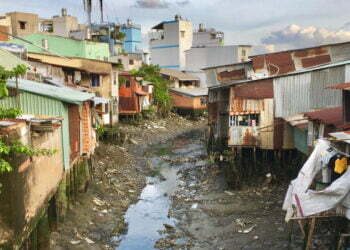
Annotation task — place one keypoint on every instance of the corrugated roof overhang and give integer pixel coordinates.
(63, 94)
(90, 66)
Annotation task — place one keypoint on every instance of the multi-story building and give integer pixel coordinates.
(207, 37)
(64, 24)
(23, 24)
(168, 42)
(133, 37)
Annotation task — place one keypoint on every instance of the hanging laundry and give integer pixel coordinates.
(341, 165)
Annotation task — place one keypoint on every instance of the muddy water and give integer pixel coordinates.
(149, 216)
(192, 206)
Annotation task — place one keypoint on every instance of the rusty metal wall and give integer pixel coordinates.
(320, 96)
(291, 94)
(340, 52)
(266, 128)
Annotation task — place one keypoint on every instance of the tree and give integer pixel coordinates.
(161, 96)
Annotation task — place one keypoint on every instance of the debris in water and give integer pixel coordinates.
(89, 241)
(194, 206)
(229, 193)
(74, 242)
(98, 202)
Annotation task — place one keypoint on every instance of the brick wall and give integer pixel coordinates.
(182, 101)
(89, 140)
(4, 37)
(74, 131)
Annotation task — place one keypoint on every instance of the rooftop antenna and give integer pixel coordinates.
(88, 9)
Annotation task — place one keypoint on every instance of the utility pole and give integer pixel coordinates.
(101, 8)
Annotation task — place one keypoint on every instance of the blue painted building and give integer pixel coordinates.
(133, 37)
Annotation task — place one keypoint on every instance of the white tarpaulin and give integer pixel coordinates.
(308, 202)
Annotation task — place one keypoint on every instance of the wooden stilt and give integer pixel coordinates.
(310, 234)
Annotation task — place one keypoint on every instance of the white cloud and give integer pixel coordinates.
(295, 36)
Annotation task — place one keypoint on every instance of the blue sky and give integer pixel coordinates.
(271, 24)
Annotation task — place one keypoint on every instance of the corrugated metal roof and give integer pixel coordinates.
(9, 61)
(178, 74)
(329, 116)
(315, 47)
(326, 66)
(227, 65)
(340, 86)
(64, 94)
(257, 90)
(341, 136)
(191, 91)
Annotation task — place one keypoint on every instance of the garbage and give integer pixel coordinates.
(169, 227)
(248, 230)
(132, 141)
(98, 202)
(194, 206)
(89, 241)
(75, 242)
(229, 193)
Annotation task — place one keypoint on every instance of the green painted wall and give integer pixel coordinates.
(40, 105)
(65, 46)
(300, 140)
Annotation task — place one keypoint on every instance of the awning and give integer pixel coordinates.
(100, 100)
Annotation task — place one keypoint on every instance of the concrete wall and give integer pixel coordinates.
(31, 23)
(26, 189)
(47, 70)
(207, 38)
(199, 58)
(62, 25)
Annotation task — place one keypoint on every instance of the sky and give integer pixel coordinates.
(269, 25)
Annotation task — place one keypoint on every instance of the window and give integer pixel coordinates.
(127, 84)
(251, 120)
(203, 101)
(131, 62)
(120, 61)
(95, 80)
(244, 53)
(182, 33)
(22, 25)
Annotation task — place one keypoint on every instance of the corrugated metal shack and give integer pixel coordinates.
(42, 99)
(253, 113)
(249, 112)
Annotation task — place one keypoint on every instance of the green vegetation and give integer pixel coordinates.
(161, 95)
